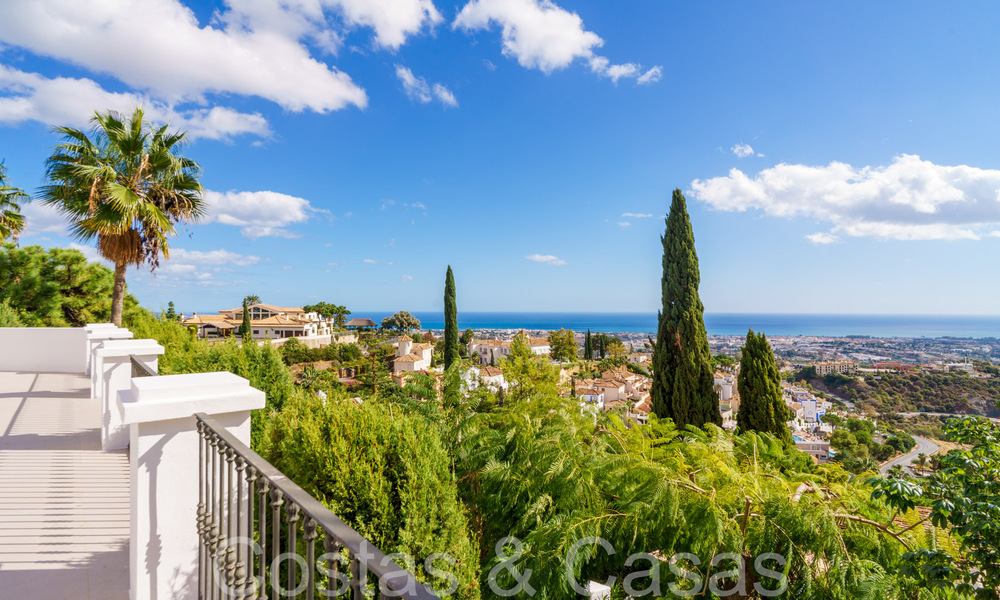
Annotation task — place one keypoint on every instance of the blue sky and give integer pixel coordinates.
(836, 158)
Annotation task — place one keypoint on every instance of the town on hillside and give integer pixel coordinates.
(610, 373)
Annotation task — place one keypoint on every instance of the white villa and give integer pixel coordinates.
(490, 352)
(490, 377)
(412, 357)
(267, 322)
(640, 358)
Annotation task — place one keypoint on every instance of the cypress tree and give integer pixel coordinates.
(588, 347)
(759, 384)
(245, 327)
(450, 320)
(683, 382)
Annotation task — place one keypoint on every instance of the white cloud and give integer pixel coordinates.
(159, 47)
(444, 95)
(335, 264)
(547, 259)
(910, 199)
(637, 215)
(418, 89)
(370, 261)
(211, 257)
(406, 278)
(68, 101)
(419, 205)
(623, 224)
(651, 76)
(393, 20)
(822, 238)
(742, 150)
(41, 218)
(541, 35)
(259, 214)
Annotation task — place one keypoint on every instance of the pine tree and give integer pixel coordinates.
(759, 384)
(450, 321)
(683, 387)
(171, 313)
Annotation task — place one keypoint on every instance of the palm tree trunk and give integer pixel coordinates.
(118, 295)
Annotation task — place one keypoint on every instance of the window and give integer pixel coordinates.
(256, 331)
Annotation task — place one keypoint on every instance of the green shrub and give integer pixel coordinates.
(387, 476)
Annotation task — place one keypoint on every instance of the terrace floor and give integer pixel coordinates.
(64, 503)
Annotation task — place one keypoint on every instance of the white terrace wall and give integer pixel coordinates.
(43, 349)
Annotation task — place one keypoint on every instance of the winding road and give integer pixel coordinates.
(923, 445)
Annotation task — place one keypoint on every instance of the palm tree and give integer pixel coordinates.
(11, 221)
(921, 460)
(126, 187)
(251, 299)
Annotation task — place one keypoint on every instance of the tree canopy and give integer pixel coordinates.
(125, 186)
(401, 321)
(11, 198)
(562, 345)
(338, 312)
(55, 287)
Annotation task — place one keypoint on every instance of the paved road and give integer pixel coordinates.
(923, 445)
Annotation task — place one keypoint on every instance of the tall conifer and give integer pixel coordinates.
(759, 384)
(245, 327)
(450, 320)
(588, 347)
(683, 387)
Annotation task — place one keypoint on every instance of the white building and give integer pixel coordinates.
(490, 377)
(411, 356)
(639, 358)
(267, 322)
(491, 352)
(724, 384)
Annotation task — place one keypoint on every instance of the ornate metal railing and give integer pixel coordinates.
(141, 370)
(250, 518)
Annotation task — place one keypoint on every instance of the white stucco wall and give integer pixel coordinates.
(43, 349)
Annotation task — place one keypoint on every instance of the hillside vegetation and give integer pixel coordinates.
(954, 392)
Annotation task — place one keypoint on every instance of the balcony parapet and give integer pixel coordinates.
(113, 369)
(94, 339)
(163, 458)
(43, 349)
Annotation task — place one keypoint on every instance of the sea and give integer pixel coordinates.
(882, 326)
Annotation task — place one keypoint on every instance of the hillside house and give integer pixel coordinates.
(411, 356)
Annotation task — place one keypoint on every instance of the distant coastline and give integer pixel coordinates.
(878, 326)
(903, 326)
